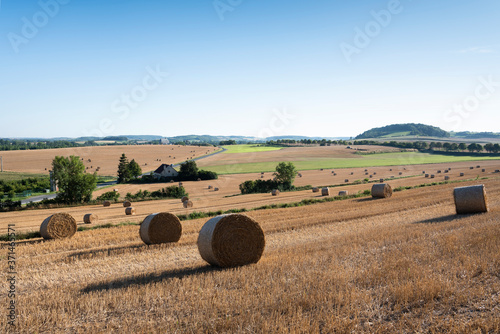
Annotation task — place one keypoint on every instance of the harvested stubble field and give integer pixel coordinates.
(105, 157)
(403, 264)
(205, 199)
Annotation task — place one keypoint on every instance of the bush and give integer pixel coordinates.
(109, 196)
(263, 186)
(207, 175)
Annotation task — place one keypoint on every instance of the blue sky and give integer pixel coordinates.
(246, 67)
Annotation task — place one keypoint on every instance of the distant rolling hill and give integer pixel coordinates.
(402, 130)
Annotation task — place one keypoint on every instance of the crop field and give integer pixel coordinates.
(250, 148)
(326, 157)
(403, 264)
(14, 176)
(149, 157)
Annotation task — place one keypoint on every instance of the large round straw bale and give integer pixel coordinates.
(381, 190)
(106, 203)
(325, 191)
(446, 178)
(315, 190)
(471, 167)
(187, 204)
(471, 199)
(371, 176)
(478, 166)
(126, 204)
(352, 173)
(381, 180)
(483, 170)
(423, 172)
(184, 198)
(159, 228)
(275, 192)
(446, 171)
(90, 218)
(439, 171)
(346, 180)
(343, 193)
(400, 173)
(58, 226)
(231, 240)
(426, 175)
(432, 176)
(462, 174)
(130, 211)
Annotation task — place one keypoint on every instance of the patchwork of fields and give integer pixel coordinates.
(402, 264)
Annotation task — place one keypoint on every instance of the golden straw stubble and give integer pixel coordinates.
(231, 240)
(158, 228)
(58, 226)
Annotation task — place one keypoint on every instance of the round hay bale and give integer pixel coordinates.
(315, 190)
(300, 175)
(374, 173)
(471, 199)
(171, 181)
(275, 192)
(426, 175)
(187, 204)
(334, 174)
(446, 178)
(115, 190)
(471, 167)
(346, 180)
(478, 166)
(381, 190)
(449, 168)
(199, 179)
(381, 180)
(400, 173)
(159, 228)
(90, 218)
(446, 171)
(262, 173)
(483, 170)
(390, 170)
(439, 171)
(325, 191)
(343, 193)
(423, 172)
(106, 203)
(370, 176)
(180, 184)
(126, 204)
(366, 173)
(184, 198)
(462, 174)
(58, 226)
(210, 187)
(231, 240)
(497, 170)
(321, 169)
(432, 176)
(130, 211)
(366, 170)
(216, 189)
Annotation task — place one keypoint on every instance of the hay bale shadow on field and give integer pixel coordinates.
(151, 278)
(104, 252)
(444, 219)
(366, 199)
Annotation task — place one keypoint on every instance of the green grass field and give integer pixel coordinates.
(14, 176)
(250, 148)
(373, 160)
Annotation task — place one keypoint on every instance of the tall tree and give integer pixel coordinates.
(285, 173)
(188, 171)
(123, 170)
(75, 186)
(134, 170)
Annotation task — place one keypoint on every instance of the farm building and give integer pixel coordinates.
(165, 171)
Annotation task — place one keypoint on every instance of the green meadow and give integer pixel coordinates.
(249, 148)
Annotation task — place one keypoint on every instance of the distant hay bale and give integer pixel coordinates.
(210, 187)
(58, 226)
(216, 189)
(346, 180)
(381, 190)
(106, 203)
(334, 174)
(275, 192)
(199, 179)
(366, 170)
(180, 184)
(432, 176)
(126, 204)
(478, 166)
(370, 176)
(426, 175)
(184, 198)
(231, 240)
(321, 169)
(462, 174)
(471, 199)
(381, 180)
(483, 170)
(352, 173)
(115, 190)
(343, 193)
(423, 172)
(187, 204)
(374, 173)
(471, 167)
(300, 175)
(449, 168)
(439, 171)
(90, 218)
(390, 170)
(325, 191)
(497, 170)
(400, 173)
(366, 173)
(159, 228)
(446, 171)
(130, 211)
(262, 173)
(171, 181)
(446, 178)
(315, 190)
(262, 176)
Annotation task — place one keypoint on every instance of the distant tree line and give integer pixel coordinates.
(282, 181)
(320, 142)
(36, 184)
(435, 146)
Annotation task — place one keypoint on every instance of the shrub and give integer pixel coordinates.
(109, 196)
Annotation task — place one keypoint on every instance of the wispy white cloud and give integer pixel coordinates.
(478, 49)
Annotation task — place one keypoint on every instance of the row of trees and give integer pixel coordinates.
(283, 180)
(422, 145)
(16, 144)
(36, 184)
(321, 142)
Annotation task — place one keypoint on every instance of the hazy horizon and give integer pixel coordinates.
(323, 69)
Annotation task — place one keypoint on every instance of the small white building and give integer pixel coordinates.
(165, 171)
(164, 141)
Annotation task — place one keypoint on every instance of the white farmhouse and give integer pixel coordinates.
(165, 171)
